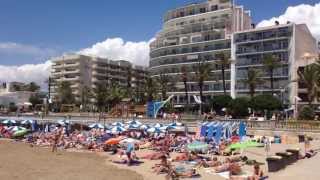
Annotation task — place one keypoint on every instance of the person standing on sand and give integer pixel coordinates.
(56, 138)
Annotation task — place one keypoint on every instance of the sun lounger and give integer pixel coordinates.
(275, 163)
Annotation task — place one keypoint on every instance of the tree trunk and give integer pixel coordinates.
(186, 91)
(201, 96)
(271, 80)
(224, 81)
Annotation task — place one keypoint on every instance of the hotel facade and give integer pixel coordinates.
(202, 31)
(86, 71)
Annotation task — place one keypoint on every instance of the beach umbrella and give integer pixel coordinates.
(117, 129)
(175, 124)
(117, 124)
(63, 122)
(9, 121)
(210, 132)
(244, 145)
(96, 126)
(158, 125)
(134, 122)
(15, 128)
(154, 130)
(145, 127)
(20, 133)
(129, 140)
(113, 141)
(197, 146)
(133, 126)
(28, 121)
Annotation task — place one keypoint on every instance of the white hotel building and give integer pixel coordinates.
(200, 31)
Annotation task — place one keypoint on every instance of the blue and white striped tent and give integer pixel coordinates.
(117, 129)
(134, 122)
(118, 124)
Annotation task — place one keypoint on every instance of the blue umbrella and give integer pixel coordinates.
(28, 121)
(158, 125)
(96, 126)
(117, 124)
(63, 122)
(117, 129)
(145, 126)
(134, 122)
(9, 121)
(155, 130)
(133, 126)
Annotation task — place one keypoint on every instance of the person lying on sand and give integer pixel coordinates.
(153, 156)
(213, 163)
(163, 167)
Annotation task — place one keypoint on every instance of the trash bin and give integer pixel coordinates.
(275, 163)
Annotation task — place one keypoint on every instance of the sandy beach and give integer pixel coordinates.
(20, 161)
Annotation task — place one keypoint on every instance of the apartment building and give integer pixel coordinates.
(287, 43)
(193, 33)
(81, 71)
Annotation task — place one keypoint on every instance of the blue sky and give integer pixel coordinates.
(50, 27)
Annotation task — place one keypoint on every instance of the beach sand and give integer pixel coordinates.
(19, 161)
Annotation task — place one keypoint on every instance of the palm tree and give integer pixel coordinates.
(253, 79)
(150, 88)
(101, 95)
(165, 84)
(270, 64)
(65, 94)
(202, 70)
(224, 62)
(86, 95)
(310, 77)
(184, 78)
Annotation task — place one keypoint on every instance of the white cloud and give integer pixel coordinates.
(118, 49)
(16, 48)
(302, 13)
(38, 73)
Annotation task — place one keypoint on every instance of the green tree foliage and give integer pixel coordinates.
(33, 87)
(65, 95)
(220, 102)
(238, 107)
(265, 102)
(13, 107)
(271, 63)
(202, 70)
(310, 77)
(101, 95)
(35, 99)
(306, 113)
(253, 80)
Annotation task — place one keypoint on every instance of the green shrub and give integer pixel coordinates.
(306, 113)
(239, 107)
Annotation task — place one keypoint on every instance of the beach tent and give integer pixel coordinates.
(210, 132)
(132, 126)
(96, 126)
(242, 130)
(203, 131)
(218, 134)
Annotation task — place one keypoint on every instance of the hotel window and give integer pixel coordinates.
(202, 10)
(214, 8)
